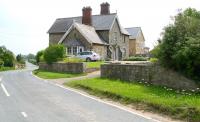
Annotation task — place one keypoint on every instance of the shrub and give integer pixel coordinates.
(1, 63)
(133, 58)
(39, 56)
(7, 57)
(20, 59)
(180, 45)
(33, 61)
(153, 60)
(53, 53)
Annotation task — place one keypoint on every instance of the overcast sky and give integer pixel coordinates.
(24, 23)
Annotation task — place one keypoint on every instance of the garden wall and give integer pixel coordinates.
(147, 72)
(64, 67)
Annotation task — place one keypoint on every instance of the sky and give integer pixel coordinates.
(24, 23)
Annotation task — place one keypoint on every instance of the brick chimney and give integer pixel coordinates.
(105, 8)
(87, 16)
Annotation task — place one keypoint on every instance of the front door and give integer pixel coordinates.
(115, 53)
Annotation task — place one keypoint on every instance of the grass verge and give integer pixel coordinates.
(96, 64)
(54, 75)
(6, 68)
(185, 106)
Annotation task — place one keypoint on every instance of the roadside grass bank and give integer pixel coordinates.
(177, 104)
(96, 64)
(6, 68)
(54, 75)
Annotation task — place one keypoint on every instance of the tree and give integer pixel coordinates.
(7, 57)
(39, 56)
(20, 59)
(54, 53)
(180, 47)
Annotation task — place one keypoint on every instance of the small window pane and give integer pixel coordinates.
(74, 50)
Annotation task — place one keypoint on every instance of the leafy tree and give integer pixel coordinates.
(54, 53)
(20, 59)
(7, 57)
(39, 55)
(180, 47)
(31, 58)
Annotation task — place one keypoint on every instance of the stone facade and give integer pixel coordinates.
(101, 50)
(64, 67)
(147, 73)
(136, 46)
(104, 34)
(132, 47)
(119, 43)
(140, 44)
(75, 35)
(55, 37)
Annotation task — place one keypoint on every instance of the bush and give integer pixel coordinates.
(20, 59)
(54, 53)
(1, 63)
(33, 61)
(39, 56)
(153, 60)
(180, 45)
(133, 58)
(7, 57)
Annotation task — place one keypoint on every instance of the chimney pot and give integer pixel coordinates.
(87, 15)
(105, 8)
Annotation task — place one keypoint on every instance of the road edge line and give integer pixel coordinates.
(4, 89)
(96, 99)
(108, 103)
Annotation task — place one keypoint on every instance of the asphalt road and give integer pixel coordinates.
(25, 98)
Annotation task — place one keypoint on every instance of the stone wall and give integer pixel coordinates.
(147, 73)
(64, 67)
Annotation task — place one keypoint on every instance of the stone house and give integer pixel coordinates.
(136, 41)
(100, 33)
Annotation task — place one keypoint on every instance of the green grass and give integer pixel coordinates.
(154, 98)
(6, 68)
(96, 64)
(54, 75)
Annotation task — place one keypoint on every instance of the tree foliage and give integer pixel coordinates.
(20, 59)
(54, 53)
(39, 56)
(7, 57)
(180, 46)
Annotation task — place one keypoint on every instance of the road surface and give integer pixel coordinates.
(25, 98)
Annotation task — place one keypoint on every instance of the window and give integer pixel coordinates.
(124, 38)
(69, 51)
(74, 50)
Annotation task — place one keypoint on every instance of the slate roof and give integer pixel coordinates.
(87, 31)
(100, 22)
(133, 31)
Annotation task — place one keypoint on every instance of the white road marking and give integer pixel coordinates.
(99, 100)
(4, 89)
(24, 114)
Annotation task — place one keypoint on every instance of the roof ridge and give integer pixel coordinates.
(132, 27)
(81, 16)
